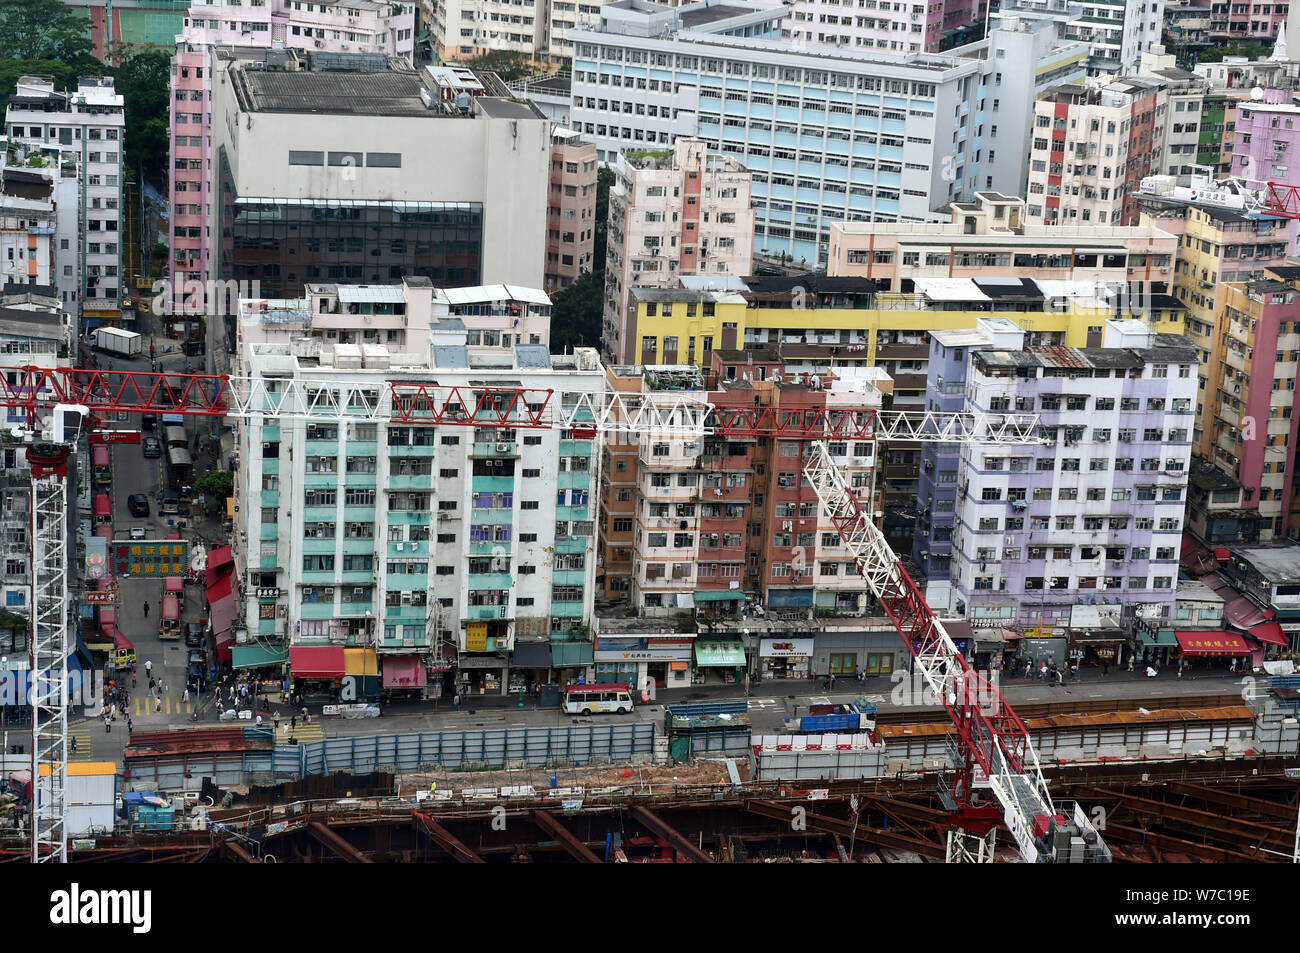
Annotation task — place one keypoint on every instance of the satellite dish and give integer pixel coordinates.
(1257, 93)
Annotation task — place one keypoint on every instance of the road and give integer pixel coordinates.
(771, 704)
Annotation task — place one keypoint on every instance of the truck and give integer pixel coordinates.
(117, 341)
(836, 719)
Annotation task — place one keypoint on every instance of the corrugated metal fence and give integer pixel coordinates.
(507, 747)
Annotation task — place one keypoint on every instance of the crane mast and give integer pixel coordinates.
(993, 748)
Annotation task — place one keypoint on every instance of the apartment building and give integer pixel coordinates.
(1251, 20)
(570, 209)
(896, 27)
(1091, 147)
(350, 26)
(433, 547)
(1249, 425)
(28, 225)
(434, 172)
(1221, 240)
(828, 133)
(1185, 93)
(461, 29)
(1117, 32)
(1076, 539)
(1268, 138)
(721, 522)
(992, 236)
(672, 212)
(85, 129)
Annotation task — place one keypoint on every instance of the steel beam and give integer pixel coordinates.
(576, 848)
(834, 825)
(337, 844)
(687, 851)
(1233, 829)
(1207, 852)
(1238, 802)
(230, 845)
(444, 839)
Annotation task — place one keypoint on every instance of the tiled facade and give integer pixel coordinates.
(896, 27)
(570, 210)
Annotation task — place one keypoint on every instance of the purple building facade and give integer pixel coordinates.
(1073, 540)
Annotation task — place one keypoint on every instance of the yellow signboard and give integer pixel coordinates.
(476, 637)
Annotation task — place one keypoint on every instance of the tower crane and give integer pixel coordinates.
(992, 748)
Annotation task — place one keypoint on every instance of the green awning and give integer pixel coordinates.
(255, 656)
(1165, 637)
(718, 595)
(719, 654)
(571, 654)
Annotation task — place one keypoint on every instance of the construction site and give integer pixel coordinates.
(1201, 782)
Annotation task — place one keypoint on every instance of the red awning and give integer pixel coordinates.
(103, 507)
(225, 650)
(1242, 613)
(121, 642)
(224, 612)
(109, 630)
(404, 671)
(316, 661)
(1214, 581)
(1270, 633)
(1221, 554)
(220, 589)
(218, 557)
(1211, 643)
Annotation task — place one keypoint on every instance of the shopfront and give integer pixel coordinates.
(877, 651)
(360, 676)
(989, 647)
(482, 674)
(784, 658)
(1213, 649)
(317, 670)
(1041, 649)
(719, 663)
(638, 660)
(1153, 647)
(571, 660)
(1095, 648)
(260, 661)
(404, 676)
(530, 666)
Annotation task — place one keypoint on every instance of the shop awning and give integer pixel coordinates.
(1212, 643)
(219, 557)
(1162, 639)
(719, 595)
(404, 671)
(316, 661)
(256, 656)
(1270, 633)
(1214, 581)
(360, 662)
(224, 612)
(1243, 613)
(121, 642)
(219, 588)
(1009, 636)
(102, 506)
(107, 616)
(226, 651)
(570, 654)
(719, 654)
(532, 655)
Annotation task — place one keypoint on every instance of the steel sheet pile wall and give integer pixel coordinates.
(535, 747)
(1276, 728)
(815, 757)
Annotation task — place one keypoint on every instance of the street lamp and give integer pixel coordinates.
(4, 708)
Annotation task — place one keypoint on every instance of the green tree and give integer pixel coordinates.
(1248, 49)
(604, 179)
(43, 30)
(144, 81)
(576, 313)
(219, 484)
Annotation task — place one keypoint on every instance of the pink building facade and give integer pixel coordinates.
(1246, 19)
(903, 27)
(570, 210)
(348, 26)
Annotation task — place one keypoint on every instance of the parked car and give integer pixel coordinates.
(152, 447)
(137, 532)
(149, 421)
(195, 637)
(138, 504)
(198, 657)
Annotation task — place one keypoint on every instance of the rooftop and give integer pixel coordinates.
(692, 17)
(376, 93)
(1274, 563)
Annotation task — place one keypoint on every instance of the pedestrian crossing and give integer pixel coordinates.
(171, 705)
(79, 742)
(304, 733)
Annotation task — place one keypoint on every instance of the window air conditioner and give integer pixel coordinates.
(329, 591)
(399, 546)
(503, 448)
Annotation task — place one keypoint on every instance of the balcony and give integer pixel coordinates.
(413, 451)
(411, 549)
(493, 484)
(489, 580)
(504, 449)
(489, 548)
(486, 612)
(566, 610)
(492, 516)
(407, 614)
(567, 480)
(406, 481)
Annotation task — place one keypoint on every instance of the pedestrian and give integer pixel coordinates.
(832, 681)
(108, 726)
(259, 721)
(1042, 671)
(157, 704)
(293, 724)
(186, 696)
(1074, 671)
(1181, 665)
(146, 615)
(148, 665)
(152, 683)
(129, 728)
(455, 702)
(133, 678)
(1130, 662)
(72, 739)
(275, 721)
